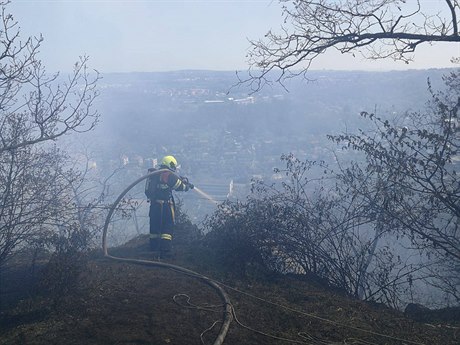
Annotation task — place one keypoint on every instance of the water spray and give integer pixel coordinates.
(228, 314)
(207, 196)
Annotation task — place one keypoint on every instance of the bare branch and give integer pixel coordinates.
(378, 29)
(37, 108)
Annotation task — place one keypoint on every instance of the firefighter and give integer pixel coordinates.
(158, 190)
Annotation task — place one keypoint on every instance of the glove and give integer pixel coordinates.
(187, 184)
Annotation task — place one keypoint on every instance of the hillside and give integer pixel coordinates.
(119, 303)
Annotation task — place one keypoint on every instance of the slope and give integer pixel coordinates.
(119, 303)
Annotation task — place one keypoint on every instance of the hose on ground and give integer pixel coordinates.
(227, 317)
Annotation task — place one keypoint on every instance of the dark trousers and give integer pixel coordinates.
(161, 224)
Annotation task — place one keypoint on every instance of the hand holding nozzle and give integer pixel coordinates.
(188, 185)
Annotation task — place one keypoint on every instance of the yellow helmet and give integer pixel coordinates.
(170, 162)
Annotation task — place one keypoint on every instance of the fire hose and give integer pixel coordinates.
(227, 316)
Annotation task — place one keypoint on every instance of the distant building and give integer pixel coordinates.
(124, 160)
(150, 163)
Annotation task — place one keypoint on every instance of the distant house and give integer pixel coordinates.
(124, 159)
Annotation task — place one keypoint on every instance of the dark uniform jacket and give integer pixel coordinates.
(160, 186)
(158, 189)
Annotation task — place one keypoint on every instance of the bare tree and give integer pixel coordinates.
(412, 186)
(418, 161)
(310, 225)
(92, 195)
(31, 180)
(33, 107)
(378, 29)
(36, 110)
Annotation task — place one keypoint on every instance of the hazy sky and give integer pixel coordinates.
(165, 35)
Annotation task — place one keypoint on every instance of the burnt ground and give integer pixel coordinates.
(120, 303)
